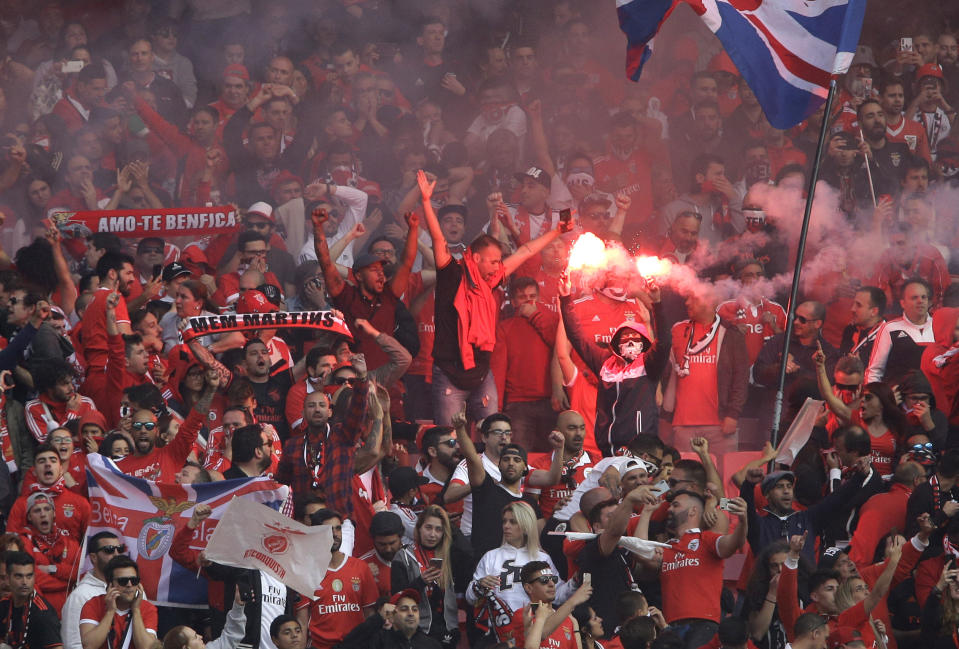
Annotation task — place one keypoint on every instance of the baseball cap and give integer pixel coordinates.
(364, 260)
(404, 478)
(930, 70)
(39, 497)
(173, 270)
(771, 479)
(632, 464)
(386, 524)
(536, 174)
(412, 593)
(829, 558)
(254, 302)
(236, 70)
(514, 449)
(271, 292)
(262, 209)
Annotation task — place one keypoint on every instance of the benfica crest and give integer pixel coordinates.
(278, 541)
(156, 537)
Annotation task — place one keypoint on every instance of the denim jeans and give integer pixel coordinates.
(448, 399)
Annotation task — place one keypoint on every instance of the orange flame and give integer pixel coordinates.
(588, 251)
(650, 267)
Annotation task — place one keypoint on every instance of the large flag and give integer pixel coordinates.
(250, 535)
(148, 514)
(786, 50)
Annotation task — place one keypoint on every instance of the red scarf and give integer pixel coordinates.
(476, 309)
(6, 445)
(53, 490)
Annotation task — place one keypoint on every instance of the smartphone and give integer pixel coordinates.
(533, 607)
(905, 44)
(437, 563)
(587, 579)
(867, 86)
(157, 270)
(72, 66)
(660, 488)
(566, 217)
(724, 504)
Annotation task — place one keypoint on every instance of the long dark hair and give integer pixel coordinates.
(892, 415)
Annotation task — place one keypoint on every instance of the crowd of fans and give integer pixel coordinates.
(408, 164)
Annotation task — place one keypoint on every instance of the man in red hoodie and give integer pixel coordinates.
(128, 364)
(54, 550)
(163, 464)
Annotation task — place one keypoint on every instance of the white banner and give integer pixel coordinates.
(799, 431)
(250, 535)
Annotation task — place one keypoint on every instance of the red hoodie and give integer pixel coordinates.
(940, 362)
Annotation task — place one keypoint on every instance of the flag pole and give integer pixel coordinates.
(794, 290)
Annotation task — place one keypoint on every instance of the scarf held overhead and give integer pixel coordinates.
(169, 222)
(230, 322)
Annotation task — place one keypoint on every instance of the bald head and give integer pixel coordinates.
(573, 428)
(592, 498)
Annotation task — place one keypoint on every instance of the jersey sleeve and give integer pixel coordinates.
(91, 612)
(369, 590)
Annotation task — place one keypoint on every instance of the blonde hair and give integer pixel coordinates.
(526, 518)
(443, 549)
(844, 594)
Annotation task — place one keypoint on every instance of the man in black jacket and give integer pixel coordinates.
(403, 632)
(628, 372)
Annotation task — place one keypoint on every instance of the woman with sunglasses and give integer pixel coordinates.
(502, 597)
(121, 618)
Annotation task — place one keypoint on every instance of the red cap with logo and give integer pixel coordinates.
(254, 302)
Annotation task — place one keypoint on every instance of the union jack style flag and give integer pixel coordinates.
(786, 50)
(148, 514)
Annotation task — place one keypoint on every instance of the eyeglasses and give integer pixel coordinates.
(501, 433)
(343, 380)
(673, 482)
(151, 251)
(127, 581)
(801, 318)
(545, 579)
(143, 425)
(112, 549)
(60, 440)
(847, 387)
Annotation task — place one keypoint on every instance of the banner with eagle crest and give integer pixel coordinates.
(147, 515)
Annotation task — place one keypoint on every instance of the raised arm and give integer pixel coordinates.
(609, 537)
(541, 478)
(840, 409)
(401, 277)
(441, 253)
(474, 463)
(334, 283)
(730, 543)
(528, 250)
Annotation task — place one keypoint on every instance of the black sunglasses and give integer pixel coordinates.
(112, 549)
(343, 380)
(927, 446)
(140, 425)
(127, 581)
(452, 443)
(802, 319)
(545, 579)
(847, 387)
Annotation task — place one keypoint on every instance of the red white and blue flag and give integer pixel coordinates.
(148, 514)
(786, 50)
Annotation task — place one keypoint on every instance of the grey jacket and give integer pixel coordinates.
(405, 573)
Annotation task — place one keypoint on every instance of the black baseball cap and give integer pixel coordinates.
(173, 270)
(537, 174)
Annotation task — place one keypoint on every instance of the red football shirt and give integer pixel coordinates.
(94, 610)
(693, 559)
(93, 328)
(697, 393)
(380, 570)
(564, 637)
(751, 315)
(162, 464)
(340, 600)
(883, 452)
(549, 496)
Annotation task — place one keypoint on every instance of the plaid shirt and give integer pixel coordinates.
(336, 457)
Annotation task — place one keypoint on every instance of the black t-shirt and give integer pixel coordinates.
(446, 346)
(271, 402)
(612, 576)
(42, 624)
(890, 159)
(488, 501)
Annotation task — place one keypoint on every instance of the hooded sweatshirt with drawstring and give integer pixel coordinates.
(626, 396)
(940, 363)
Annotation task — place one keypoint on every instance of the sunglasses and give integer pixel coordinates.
(673, 482)
(112, 549)
(847, 387)
(452, 443)
(545, 579)
(143, 425)
(343, 380)
(802, 319)
(927, 446)
(127, 581)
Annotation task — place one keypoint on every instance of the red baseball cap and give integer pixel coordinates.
(845, 635)
(412, 593)
(254, 302)
(236, 70)
(930, 70)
